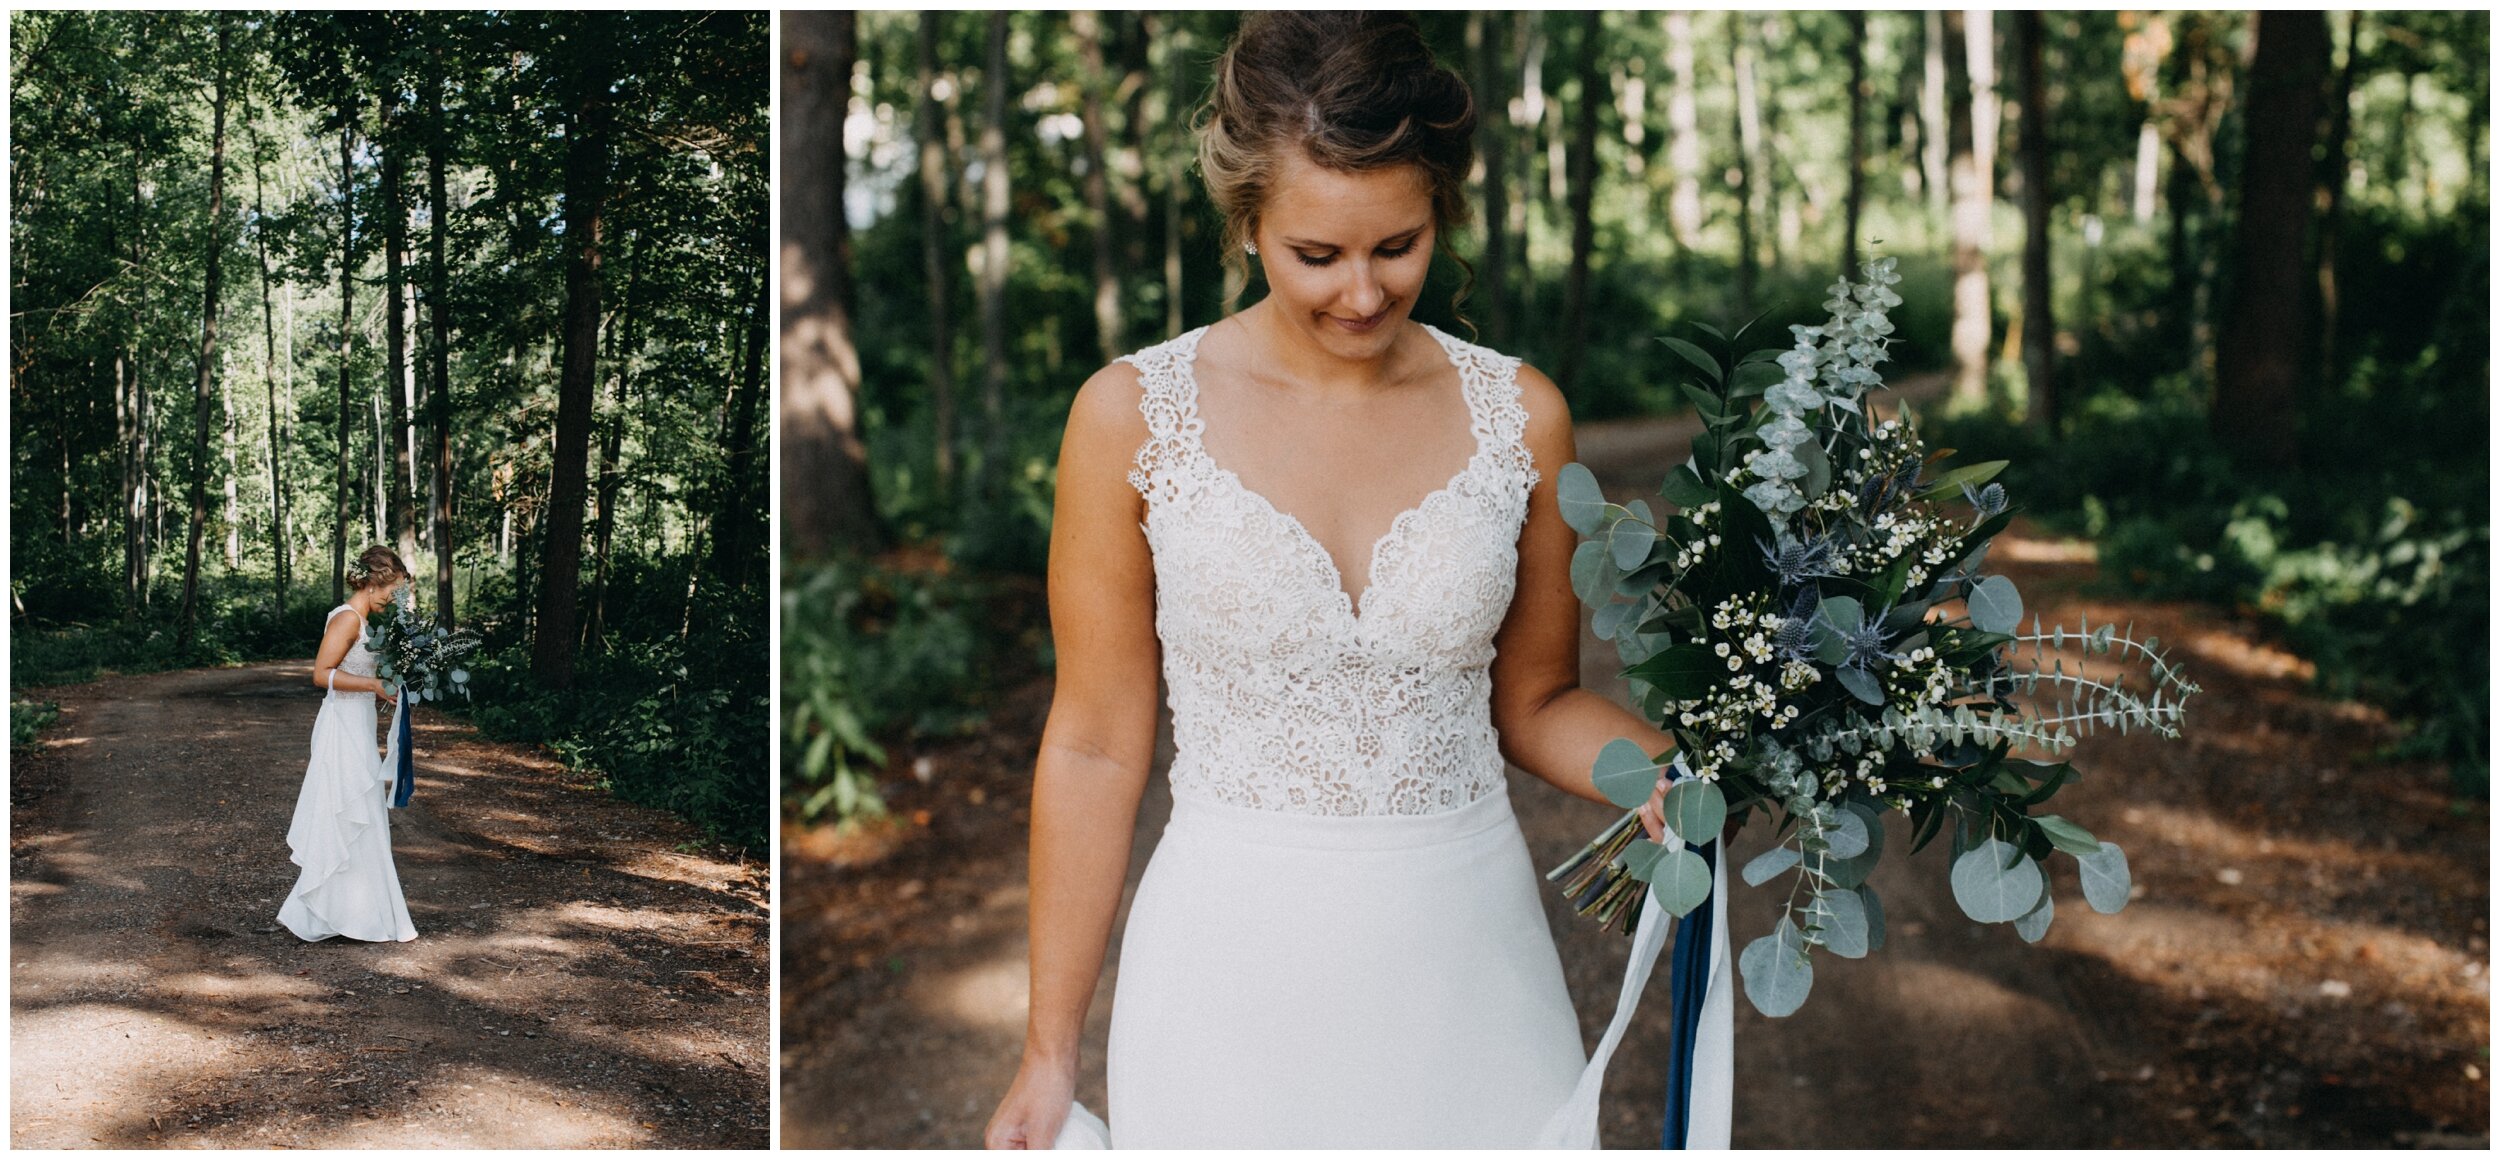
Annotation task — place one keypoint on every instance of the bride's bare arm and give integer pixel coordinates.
(1549, 725)
(1097, 746)
(336, 639)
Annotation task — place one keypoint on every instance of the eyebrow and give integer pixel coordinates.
(1306, 244)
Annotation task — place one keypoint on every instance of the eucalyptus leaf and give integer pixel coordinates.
(1613, 617)
(1640, 858)
(1861, 684)
(1583, 504)
(1843, 922)
(2035, 925)
(1681, 880)
(1769, 864)
(1847, 835)
(1874, 917)
(2105, 879)
(1776, 972)
(1629, 542)
(1818, 469)
(1593, 573)
(1995, 605)
(2067, 836)
(1624, 774)
(1695, 810)
(1991, 890)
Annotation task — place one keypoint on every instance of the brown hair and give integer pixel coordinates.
(1356, 91)
(376, 566)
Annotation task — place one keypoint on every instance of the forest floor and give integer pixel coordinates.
(587, 973)
(2305, 963)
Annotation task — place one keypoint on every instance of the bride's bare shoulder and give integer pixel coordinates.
(1548, 433)
(1106, 424)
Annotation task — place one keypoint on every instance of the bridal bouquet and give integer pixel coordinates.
(419, 656)
(1809, 621)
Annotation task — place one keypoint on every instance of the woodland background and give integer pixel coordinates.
(484, 286)
(2217, 282)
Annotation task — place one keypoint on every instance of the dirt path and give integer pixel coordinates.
(583, 975)
(2306, 965)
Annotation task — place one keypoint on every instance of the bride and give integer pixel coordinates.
(341, 835)
(1334, 532)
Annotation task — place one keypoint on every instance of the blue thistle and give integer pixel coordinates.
(1797, 562)
(1795, 639)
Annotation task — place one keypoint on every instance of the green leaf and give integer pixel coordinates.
(1777, 974)
(1861, 684)
(1769, 864)
(1950, 483)
(1874, 918)
(1640, 859)
(1629, 543)
(1818, 478)
(1593, 573)
(2067, 836)
(1753, 377)
(1695, 810)
(2035, 925)
(1612, 617)
(1995, 605)
(1693, 354)
(1681, 880)
(1624, 774)
(1685, 672)
(2105, 880)
(1685, 489)
(1711, 409)
(1842, 915)
(1583, 504)
(1990, 890)
(1847, 835)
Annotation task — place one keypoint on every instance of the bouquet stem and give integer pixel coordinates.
(1598, 883)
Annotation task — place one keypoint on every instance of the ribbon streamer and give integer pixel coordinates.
(399, 760)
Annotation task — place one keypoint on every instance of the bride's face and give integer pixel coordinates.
(1346, 253)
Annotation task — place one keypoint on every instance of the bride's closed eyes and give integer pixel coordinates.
(1389, 253)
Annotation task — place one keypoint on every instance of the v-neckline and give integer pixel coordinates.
(1354, 606)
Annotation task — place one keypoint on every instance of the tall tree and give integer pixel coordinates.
(1936, 115)
(1108, 331)
(347, 338)
(2334, 167)
(2039, 326)
(1683, 135)
(1856, 206)
(278, 547)
(1751, 173)
(2260, 347)
(589, 115)
(1974, 194)
(391, 137)
(204, 394)
(1583, 167)
(994, 206)
(936, 271)
(1484, 45)
(438, 318)
(825, 498)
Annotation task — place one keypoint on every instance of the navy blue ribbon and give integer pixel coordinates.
(407, 772)
(1688, 984)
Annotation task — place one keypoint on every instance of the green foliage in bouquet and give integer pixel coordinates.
(420, 657)
(1810, 623)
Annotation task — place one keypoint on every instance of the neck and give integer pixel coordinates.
(1324, 375)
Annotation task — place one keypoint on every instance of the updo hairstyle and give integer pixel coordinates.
(1355, 91)
(376, 567)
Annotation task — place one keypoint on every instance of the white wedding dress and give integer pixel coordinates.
(341, 835)
(1338, 941)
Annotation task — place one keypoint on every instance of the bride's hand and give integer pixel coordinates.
(1654, 811)
(384, 692)
(1035, 1108)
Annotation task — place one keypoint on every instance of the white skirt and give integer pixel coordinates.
(1289, 980)
(341, 834)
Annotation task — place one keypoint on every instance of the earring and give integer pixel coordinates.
(1250, 248)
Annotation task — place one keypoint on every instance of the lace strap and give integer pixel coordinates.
(1170, 404)
(1490, 381)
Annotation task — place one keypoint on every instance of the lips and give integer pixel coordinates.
(1362, 325)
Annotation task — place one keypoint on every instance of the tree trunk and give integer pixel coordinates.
(1107, 324)
(1684, 136)
(1484, 46)
(1856, 205)
(1972, 195)
(738, 528)
(1749, 174)
(1583, 166)
(129, 413)
(2258, 355)
(585, 203)
(393, 141)
(2333, 173)
(438, 318)
(278, 548)
(341, 495)
(1176, 182)
(994, 206)
(621, 351)
(1935, 116)
(204, 394)
(233, 514)
(2039, 324)
(928, 130)
(825, 497)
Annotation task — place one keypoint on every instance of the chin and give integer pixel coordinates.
(1372, 343)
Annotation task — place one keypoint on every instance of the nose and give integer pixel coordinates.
(1366, 296)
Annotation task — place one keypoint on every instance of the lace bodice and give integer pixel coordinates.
(359, 660)
(1288, 695)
